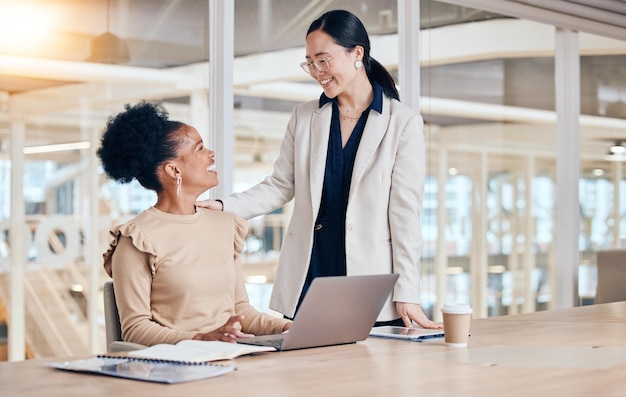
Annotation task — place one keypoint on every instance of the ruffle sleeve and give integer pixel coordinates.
(241, 232)
(138, 239)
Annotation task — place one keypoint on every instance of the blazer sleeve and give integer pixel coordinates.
(405, 206)
(274, 191)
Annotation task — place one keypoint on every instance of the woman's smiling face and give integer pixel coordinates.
(341, 71)
(197, 161)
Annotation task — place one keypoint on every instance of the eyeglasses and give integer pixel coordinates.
(320, 64)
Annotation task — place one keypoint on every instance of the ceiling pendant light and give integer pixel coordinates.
(617, 152)
(107, 47)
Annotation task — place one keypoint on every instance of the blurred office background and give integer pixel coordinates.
(504, 145)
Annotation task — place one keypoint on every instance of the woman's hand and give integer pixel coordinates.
(226, 333)
(211, 204)
(413, 311)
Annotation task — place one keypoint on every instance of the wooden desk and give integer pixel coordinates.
(398, 368)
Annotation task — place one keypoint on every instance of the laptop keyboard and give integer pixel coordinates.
(276, 343)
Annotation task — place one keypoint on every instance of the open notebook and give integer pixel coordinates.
(197, 351)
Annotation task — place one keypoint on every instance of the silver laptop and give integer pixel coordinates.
(335, 310)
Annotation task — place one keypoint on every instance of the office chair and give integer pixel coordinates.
(611, 276)
(115, 343)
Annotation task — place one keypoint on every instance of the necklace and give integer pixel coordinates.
(342, 117)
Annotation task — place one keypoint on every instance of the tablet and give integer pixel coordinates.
(414, 333)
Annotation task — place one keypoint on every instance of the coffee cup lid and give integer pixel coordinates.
(456, 308)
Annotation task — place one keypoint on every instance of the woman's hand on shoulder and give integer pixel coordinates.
(228, 332)
(211, 204)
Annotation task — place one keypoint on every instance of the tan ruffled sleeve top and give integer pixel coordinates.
(177, 275)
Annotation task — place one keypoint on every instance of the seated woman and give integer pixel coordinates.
(175, 267)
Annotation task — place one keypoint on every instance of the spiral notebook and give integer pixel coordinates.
(149, 370)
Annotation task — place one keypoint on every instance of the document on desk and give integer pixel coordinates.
(198, 351)
(146, 370)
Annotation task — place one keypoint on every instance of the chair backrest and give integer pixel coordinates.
(611, 276)
(111, 316)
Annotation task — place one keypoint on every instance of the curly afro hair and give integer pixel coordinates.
(136, 141)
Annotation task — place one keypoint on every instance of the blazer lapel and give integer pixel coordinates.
(375, 130)
(320, 130)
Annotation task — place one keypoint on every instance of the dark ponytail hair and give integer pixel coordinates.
(136, 141)
(347, 30)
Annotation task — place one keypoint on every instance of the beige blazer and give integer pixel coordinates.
(383, 233)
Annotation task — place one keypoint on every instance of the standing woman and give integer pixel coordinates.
(354, 163)
(175, 267)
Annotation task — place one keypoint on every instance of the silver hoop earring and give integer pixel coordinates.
(179, 185)
(358, 64)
